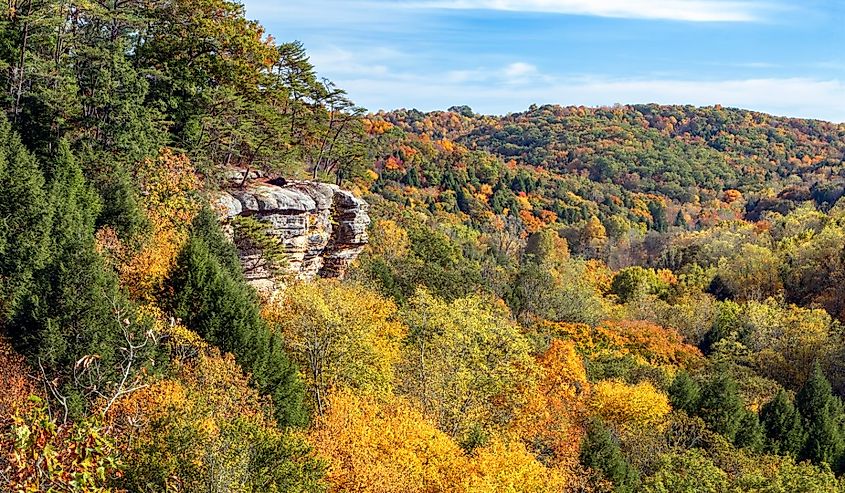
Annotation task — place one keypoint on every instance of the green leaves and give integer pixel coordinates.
(208, 293)
(24, 220)
(823, 420)
(782, 425)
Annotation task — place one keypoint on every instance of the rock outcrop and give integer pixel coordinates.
(322, 228)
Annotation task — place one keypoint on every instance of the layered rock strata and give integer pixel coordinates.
(322, 228)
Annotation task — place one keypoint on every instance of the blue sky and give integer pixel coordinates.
(500, 56)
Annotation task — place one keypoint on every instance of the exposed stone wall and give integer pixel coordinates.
(323, 228)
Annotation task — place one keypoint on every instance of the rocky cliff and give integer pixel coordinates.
(321, 227)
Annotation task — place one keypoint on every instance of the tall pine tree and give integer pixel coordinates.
(24, 220)
(750, 432)
(822, 415)
(207, 291)
(600, 452)
(75, 323)
(782, 426)
(721, 405)
(684, 393)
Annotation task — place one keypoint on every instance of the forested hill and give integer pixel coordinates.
(637, 298)
(682, 152)
(647, 165)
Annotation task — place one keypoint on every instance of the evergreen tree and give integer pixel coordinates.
(822, 417)
(782, 426)
(412, 177)
(657, 209)
(684, 393)
(721, 405)
(208, 292)
(681, 220)
(750, 432)
(24, 220)
(600, 452)
(75, 323)
(463, 200)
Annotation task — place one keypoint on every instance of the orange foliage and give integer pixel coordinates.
(15, 381)
(37, 453)
(548, 217)
(666, 276)
(532, 224)
(376, 127)
(731, 196)
(170, 185)
(551, 418)
(656, 345)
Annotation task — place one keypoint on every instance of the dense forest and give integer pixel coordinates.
(631, 298)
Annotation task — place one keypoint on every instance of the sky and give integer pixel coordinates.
(500, 56)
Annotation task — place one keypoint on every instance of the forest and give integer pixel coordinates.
(633, 298)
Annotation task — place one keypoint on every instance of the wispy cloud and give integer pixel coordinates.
(491, 92)
(519, 70)
(674, 10)
(432, 54)
(679, 10)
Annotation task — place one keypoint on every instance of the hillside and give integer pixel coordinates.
(636, 298)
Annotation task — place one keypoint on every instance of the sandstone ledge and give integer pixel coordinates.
(322, 227)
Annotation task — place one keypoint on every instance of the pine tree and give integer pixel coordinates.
(75, 323)
(658, 213)
(822, 416)
(681, 220)
(684, 393)
(750, 432)
(24, 220)
(600, 452)
(208, 292)
(721, 406)
(782, 426)
(412, 177)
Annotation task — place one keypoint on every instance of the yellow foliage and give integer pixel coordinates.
(629, 407)
(181, 342)
(342, 335)
(169, 185)
(198, 431)
(550, 419)
(447, 145)
(389, 240)
(599, 275)
(523, 202)
(465, 362)
(384, 446)
(507, 467)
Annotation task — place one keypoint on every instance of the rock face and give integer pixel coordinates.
(321, 227)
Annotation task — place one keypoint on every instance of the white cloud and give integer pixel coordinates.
(520, 69)
(680, 10)
(376, 12)
(487, 92)
(372, 61)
